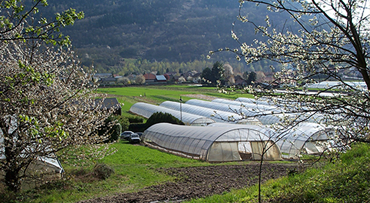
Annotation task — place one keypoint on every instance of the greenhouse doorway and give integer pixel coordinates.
(245, 150)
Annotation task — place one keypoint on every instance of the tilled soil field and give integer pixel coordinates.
(196, 182)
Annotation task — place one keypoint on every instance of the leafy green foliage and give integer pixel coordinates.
(103, 171)
(114, 132)
(160, 117)
(214, 76)
(23, 18)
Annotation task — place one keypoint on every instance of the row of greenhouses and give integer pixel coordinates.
(221, 142)
(225, 130)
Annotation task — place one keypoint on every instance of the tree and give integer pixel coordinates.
(124, 80)
(140, 79)
(20, 21)
(229, 74)
(333, 40)
(47, 100)
(215, 75)
(207, 76)
(252, 76)
(260, 76)
(218, 73)
(160, 117)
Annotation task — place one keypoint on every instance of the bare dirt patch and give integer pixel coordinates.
(196, 182)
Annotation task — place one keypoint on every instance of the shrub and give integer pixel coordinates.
(137, 127)
(103, 171)
(135, 119)
(160, 117)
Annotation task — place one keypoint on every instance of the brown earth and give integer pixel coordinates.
(196, 182)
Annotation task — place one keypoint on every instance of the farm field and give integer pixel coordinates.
(142, 174)
(136, 167)
(158, 94)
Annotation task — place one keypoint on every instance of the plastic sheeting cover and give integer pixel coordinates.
(211, 143)
(146, 110)
(218, 116)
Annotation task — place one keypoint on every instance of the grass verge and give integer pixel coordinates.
(344, 180)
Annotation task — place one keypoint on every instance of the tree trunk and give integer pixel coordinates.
(12, 176)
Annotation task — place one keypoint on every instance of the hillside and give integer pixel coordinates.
(165, 30)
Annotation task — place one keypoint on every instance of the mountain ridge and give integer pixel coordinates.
(167, 30)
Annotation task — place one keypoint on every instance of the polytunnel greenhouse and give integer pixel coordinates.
(216, 115)
(146, 110)
(306, 138)
(268, 115)
(253, 101)
(226, 108)
(213, 144)
(247, 105)
(265, 117)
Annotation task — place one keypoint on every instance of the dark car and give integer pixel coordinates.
(140, 134)
(134, 138)
(126, 135)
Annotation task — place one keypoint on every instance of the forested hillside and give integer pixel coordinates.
(156, 30)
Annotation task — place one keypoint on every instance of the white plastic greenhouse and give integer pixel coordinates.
(260, 101)
(213, 144)
(248, 105)
(306, 138)
(258, 109)
(328, 84)
(252, 110)
(216, 115)
(225, 107)
(146, 110)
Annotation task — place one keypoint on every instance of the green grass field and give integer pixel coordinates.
(158, 94)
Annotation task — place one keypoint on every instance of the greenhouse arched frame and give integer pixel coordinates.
(213, 144)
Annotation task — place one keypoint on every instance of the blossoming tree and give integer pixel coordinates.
(46, 99)
(333, 43)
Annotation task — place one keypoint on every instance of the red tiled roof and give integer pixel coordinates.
(149, 76)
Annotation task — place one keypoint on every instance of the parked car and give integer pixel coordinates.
(134, 138)
(126, 135)
(140, 134)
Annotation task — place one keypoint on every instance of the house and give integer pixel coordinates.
(239, 80)
(171, 76)
(110, 103)
(197, 78)
(160, 79)
(149, 78)
(105, 78)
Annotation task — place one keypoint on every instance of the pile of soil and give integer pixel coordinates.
(196, 182)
